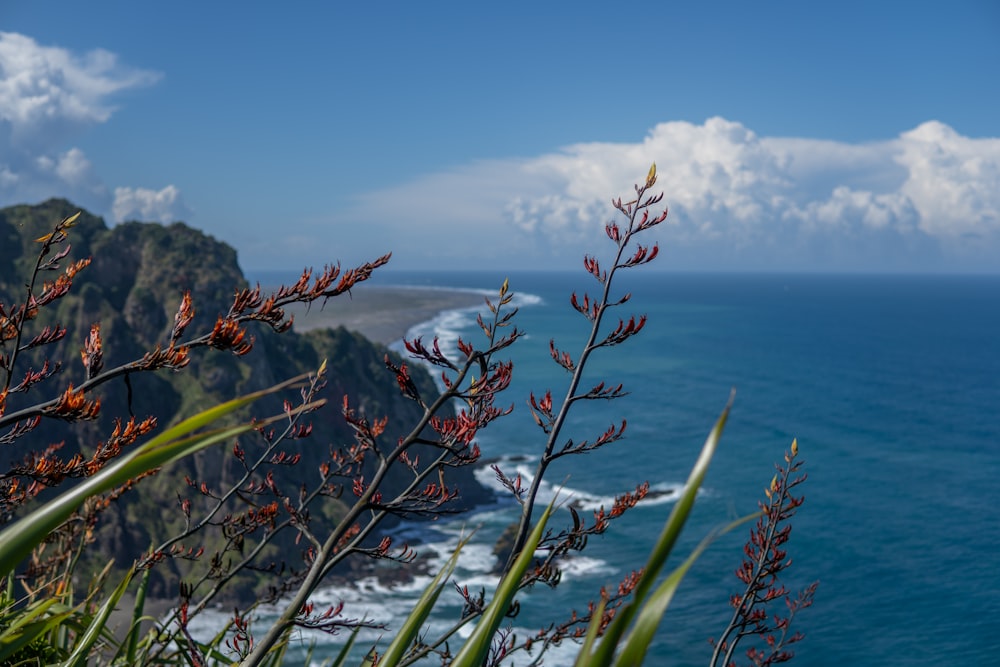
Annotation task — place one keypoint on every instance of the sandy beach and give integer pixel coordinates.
(382, 314)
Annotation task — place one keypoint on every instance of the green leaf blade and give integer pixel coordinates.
(477, 646)
(605, 651)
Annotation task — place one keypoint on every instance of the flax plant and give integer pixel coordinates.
(252, 509)
(20, 538)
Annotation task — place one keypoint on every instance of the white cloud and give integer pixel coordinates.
(28, 178)
(47, 92)
(49, 96)
(953, 181)
(148, 205)
(929, 198)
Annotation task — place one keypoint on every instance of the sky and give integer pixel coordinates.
(788, 136)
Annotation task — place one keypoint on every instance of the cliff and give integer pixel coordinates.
(133, 286)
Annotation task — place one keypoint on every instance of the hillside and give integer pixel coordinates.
(133, 286)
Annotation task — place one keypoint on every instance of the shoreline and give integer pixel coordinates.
(382, 314)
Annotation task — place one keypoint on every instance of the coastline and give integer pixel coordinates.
(383, 314)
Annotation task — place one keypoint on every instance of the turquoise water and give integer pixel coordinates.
(890, 384)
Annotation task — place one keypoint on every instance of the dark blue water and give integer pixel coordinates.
(891, 386)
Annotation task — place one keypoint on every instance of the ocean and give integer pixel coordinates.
(890, 384)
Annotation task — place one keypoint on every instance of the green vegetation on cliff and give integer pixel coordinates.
(137, 277)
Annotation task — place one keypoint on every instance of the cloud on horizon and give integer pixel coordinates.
(49, 96)
(148, 205)
(928, 199)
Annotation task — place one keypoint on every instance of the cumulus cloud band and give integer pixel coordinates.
(927, 199)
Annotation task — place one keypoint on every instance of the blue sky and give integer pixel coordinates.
(788, 135)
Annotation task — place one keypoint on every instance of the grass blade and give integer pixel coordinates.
(637, 643)
(138, 611)
(477, 646)
(604, 654)
(97, 626)
(341, 658)
(584, 656)
(25, 627)
(411, 627)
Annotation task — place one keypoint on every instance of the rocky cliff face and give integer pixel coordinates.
(133, 287)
